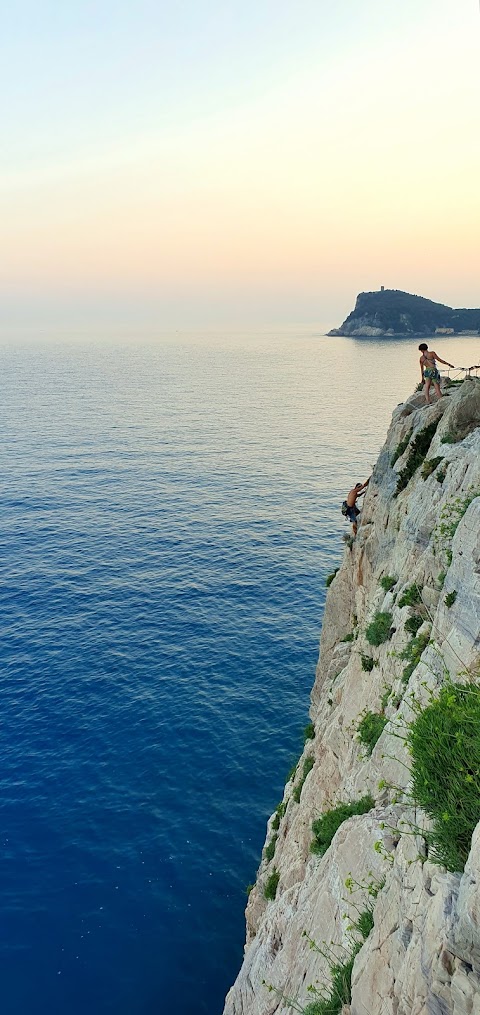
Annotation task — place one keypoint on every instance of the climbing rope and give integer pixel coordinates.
(458, 371)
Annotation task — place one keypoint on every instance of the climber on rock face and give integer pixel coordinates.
(353, 512)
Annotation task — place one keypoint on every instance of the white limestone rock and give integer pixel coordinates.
(423, 955)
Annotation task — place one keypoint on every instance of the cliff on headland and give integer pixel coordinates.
(391, 312)
(367, 898)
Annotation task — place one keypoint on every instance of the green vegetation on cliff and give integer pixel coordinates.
(445, 747)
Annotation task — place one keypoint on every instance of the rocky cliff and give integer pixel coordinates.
(353, 910)
(391, 312)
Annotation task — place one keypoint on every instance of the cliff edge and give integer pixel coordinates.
(392, 313)
(367, 898)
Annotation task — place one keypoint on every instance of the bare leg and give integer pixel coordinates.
(437, 389)
(354, 526)
(426, 390)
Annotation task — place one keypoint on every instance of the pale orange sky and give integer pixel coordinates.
(336, 174)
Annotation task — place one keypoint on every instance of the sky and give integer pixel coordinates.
(206, 164)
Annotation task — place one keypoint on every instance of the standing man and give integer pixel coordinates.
(353, 512)
(430, 374)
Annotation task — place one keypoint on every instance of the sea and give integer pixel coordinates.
(170, 512)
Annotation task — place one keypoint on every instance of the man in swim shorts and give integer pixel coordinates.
(352, 511)
(430, 374)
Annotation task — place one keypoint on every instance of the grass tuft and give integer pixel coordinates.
(364, 924)
(330, 577)
(269, 851)
(412, 654)
(331, 1000)
(340, 992)
(324, 828)
(279, 812)
(450, 598)
(430, 465)
(307, 767)
(271, 885)
(400, 448)
(370, 728)
(385, 697)
(292, 772)
(368, 662)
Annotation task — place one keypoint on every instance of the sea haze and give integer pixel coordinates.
(170, 512)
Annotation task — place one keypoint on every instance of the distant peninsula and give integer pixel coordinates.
(391, 313)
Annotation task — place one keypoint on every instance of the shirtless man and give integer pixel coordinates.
(352, 514)
(428, 361)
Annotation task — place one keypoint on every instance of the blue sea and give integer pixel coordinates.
(170, 511)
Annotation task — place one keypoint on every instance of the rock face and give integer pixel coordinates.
(391, 312)
(422, 956)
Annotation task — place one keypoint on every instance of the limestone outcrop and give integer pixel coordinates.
(416, 564)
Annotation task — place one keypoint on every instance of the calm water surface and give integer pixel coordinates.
(170, 511)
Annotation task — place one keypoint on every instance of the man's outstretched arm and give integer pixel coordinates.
(440, 360)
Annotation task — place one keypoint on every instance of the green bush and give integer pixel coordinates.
(444, 743)
(385, 697)
(269, 851)
(450, 598)
(370, 728)
(330, 577)
(440, 475)
(271, 885)
(400, 448)
(279, 812)
(449, 438)
(387, 582)
(412, 654)
(379, 630)
(348, 637)
(307, 767)
(324, 828)
(413, 624)
(411, 596)
(309, 732)
(418, 450)
(430, 465)
(368, 662)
